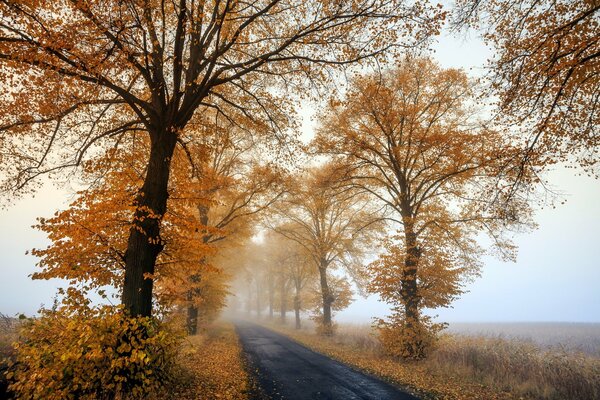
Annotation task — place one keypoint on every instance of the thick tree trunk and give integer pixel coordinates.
(192, 320)
(327, 300)
(297, 310)
(144, 244)
(409, 292)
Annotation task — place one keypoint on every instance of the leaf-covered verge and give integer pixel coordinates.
(213, 366)
(464, 367)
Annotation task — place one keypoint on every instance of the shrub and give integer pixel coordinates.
(408, 341)
(92, 353)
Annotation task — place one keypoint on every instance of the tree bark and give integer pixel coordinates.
(194, 292)
(327, 299)
(192, 320)
(144, 243)
(409, 293)
(192, 309)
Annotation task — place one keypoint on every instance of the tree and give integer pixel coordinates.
(79, 75)
(411, 143)
(239, 188)
(545, 73)
(341, 293)
(291, 265)
(332, 222)
(301, 272)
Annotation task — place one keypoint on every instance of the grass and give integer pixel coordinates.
(213, 366)
(466, 367)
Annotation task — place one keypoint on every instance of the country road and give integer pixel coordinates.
(290, 371)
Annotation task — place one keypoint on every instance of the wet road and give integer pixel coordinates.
(288, 370)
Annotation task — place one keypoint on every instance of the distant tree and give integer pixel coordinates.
(333, 223)
(82, 75)
(341, 293)
(545, 73)
(291, 265)
(410, 140)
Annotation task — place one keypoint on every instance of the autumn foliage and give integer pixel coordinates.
(413, 146)
(93, 353)
(177, 124)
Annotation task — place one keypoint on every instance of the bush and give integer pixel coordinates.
(92, 353)
(408, 341)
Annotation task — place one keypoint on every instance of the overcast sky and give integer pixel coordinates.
(556, 277)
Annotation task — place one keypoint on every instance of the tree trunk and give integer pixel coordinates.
(257, 298)
(283, 302)
(271, 295)
(192, 320)
(192, 310)
(297, 310)
(409, 292)
(249, 301)
(144, 243)
(194, 292)
(327, 327)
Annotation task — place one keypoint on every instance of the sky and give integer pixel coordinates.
(556, 277)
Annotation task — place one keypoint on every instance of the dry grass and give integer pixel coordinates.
(522, 368)
(465, 367)
(213, 366)
(9, 331)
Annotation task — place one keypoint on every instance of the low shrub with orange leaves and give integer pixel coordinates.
(213, 366)
(92, 353)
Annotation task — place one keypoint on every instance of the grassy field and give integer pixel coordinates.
(571, 337)
(494, 365)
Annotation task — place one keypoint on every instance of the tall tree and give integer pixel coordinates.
(80, 74)
(545, 73)
(412, 144)
(333, 222)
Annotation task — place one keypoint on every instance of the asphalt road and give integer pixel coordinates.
(290, 371)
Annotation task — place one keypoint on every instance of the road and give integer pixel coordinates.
(290, 371)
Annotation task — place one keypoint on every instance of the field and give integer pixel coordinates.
(571, 337)
(486, 361)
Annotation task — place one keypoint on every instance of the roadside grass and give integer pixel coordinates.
(213, 366)
(463, 367)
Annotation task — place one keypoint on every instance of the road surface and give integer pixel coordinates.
(290, 371)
